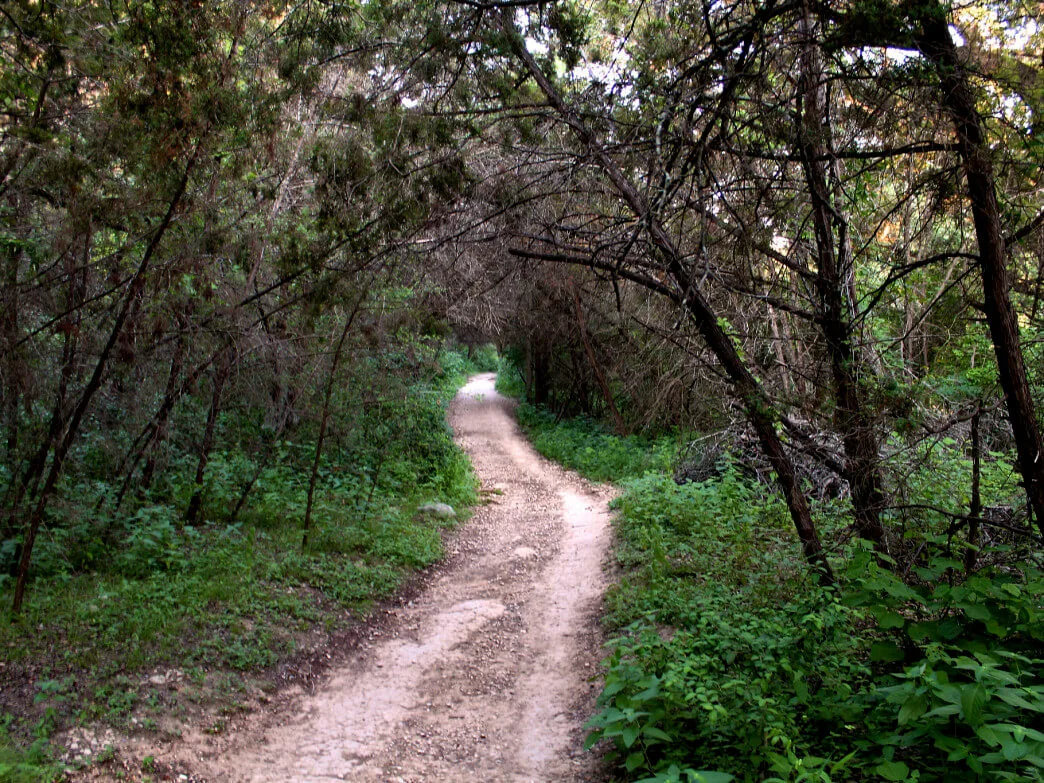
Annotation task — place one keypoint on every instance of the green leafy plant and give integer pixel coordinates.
(236, 594)
(767, 690)
(25, 764)
(588, 448)
(154, 542)
(510, 380)
(965, 716)
(728, 659)
(967, 698)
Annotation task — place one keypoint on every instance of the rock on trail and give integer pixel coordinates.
(484, 676)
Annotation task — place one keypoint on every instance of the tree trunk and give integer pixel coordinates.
(155, 432)
(852, 418)
(538, 375)
(222, 370)
(170, 396)
(975, 507)
(13, 371)
(335, 361)
(69, 327)
(779, 343)
(934, 40)
(13, 374)
(596, 368)
(61, 448)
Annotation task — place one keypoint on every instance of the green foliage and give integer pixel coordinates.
(570, 23)
(965, 717)
(967, 700)
(728, 658)
(510, 380)
(484, 358)
(32, 764)
(979, 613)
(936, 483)
(754, 692)
(588, 448)
(153, 542)
(719, 667)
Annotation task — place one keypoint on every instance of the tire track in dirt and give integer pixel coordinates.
(485, 675)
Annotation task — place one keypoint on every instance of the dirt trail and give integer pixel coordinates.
(485, 675)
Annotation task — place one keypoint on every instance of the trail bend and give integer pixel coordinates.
(486, 674)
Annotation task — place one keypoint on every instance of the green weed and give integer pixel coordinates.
(510, 381)
(728, 658)
(961, 688)
(588, 448)
(728, 652)
(25, 764)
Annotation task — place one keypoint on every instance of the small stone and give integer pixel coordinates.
(438, 510)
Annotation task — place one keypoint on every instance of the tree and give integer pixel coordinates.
(765, 144)
(184, 190)
(682, 289)
(924, 26)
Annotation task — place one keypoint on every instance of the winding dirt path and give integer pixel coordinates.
(485, 675)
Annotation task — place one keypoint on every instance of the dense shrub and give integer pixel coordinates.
(729, 652)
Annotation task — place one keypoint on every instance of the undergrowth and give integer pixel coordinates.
(727, 662)
(115, 597)
(586, 446)
(730, 658)
(25, 763)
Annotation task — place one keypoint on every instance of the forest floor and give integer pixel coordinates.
(484, 671)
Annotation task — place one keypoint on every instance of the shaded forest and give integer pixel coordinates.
(777, 267)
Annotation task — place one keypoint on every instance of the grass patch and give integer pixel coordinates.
(587, 447)
(25, 763)
(237, 602)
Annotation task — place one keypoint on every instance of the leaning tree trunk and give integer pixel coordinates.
(69, 327)
(335, 361)
(160, 422)
(757, 405)
(155, 432)
(934, 40)
(71, 430)
(13, 370)
(596, 367)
